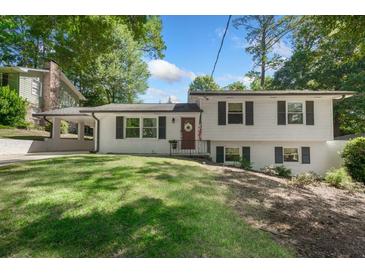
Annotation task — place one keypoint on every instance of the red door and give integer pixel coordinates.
(188, 133)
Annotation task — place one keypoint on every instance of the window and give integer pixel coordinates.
(132, 128)
(295, 113)
(4, 79)
(149, 128)
(36, 87)
(291, 155)
(232, 154)
(235, 113)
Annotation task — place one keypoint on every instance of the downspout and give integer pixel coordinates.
(97, 131)
(51, 131)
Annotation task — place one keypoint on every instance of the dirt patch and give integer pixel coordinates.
(317, 221)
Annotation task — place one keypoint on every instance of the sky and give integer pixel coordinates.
(192, 45)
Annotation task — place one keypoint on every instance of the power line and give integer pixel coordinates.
(221, 45)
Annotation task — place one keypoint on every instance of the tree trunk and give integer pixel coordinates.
(262, 82)
(263, 55)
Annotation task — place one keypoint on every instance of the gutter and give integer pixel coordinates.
(97, 131)
(51, 131)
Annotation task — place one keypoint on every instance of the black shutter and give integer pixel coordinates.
(221, 113)
(208, 146)
(306, 155)
(161, 127)
(249, 113)
(281, 113)
(278, 155)
(246, 153)
(119, 127)
(309, 112)
(5, 79)
(219, 154)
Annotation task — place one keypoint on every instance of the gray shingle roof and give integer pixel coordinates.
(271, 92)
(71, 111)
(179, 107)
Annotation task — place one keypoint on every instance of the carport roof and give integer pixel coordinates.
(71, 111)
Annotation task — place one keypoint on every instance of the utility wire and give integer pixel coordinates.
(221, 45)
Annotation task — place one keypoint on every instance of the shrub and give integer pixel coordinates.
(63, 127)
(280, 171)
(354, 158)
(306, 178)
(245, 164)
(13, 108)
(338, 178)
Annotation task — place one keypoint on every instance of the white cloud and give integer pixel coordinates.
(170, 99)
(282, 49)
(155, 95)
(168, 72)
(239, 42)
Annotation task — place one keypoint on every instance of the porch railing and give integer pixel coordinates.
(189, 147)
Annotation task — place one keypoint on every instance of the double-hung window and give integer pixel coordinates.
(232, 154)
(235, 113)
(149, 128)
(295, 113)
(291, 155)
(36, 86)
(132, 129)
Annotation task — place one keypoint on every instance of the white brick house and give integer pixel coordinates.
(294, 128)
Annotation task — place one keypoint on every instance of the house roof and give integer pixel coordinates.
(271, 92)
(27, 70)
(350, 136)
(71, 111)
(179, 107)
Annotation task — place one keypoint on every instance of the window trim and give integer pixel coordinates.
(156, 127)
(303, 112)
(38, 82)
(125, 127)
(227, 112)
(225, 154)
(298, 151)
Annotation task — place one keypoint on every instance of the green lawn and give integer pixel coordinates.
(122, 206)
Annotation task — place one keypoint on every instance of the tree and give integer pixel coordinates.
(76, 43)
(256, 81)
(263, 33)
(238, 85)
(203, 83)
(329, 53)
(13, 108)
(120, 76)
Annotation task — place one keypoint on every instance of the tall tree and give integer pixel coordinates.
(263, 33)
(203, 83)
(238, 85)
(76, 43)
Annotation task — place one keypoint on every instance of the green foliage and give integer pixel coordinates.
(63, 127)
(354, 158)
(280, 171)
(80, 43)
(245, 164)
(256, 84)
(350, 113)
(305, 178)
(236, 86)
(13, 108)
(338, 178)
(203, 83)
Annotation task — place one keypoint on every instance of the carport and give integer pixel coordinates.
(72, 114)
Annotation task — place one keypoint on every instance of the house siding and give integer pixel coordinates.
(108, 142)
(265, 126)
(25, 88)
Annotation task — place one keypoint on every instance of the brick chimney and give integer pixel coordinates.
(51, 86)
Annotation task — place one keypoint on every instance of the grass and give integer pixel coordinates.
(122, 206)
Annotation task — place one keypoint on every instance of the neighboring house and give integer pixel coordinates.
(44, 89)
(294, 128)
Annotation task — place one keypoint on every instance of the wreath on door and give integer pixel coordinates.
(188, 127)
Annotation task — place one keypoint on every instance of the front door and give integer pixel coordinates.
(188, 133)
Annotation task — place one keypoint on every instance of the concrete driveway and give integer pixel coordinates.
(16, 158)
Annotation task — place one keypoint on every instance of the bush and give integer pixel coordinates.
(13, 108)
(338, 178)
(280, 171)
(63, 127)
(354, 158)
(306, 178)
(245, 164)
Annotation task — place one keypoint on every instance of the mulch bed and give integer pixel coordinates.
(315, 221)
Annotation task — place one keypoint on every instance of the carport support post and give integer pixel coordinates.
(56, 125)
(80, 130)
